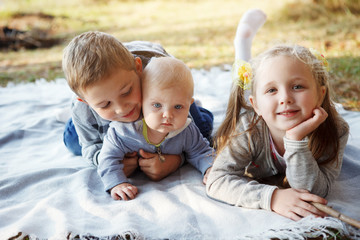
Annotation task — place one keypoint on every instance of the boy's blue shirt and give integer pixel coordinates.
(122, 138)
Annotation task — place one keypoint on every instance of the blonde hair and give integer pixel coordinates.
(320, 140)
(167, 72)
(91, 56)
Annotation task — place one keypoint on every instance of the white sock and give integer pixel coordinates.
(247, 28)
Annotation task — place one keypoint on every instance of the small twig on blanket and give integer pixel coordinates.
(338, 215)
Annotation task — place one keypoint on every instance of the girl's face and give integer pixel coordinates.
(285, 94)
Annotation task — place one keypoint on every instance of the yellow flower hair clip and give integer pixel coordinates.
(321, 58)
(242, 74)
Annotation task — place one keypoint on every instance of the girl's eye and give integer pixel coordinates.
(178, 107)
(157, 105)
(271, 90)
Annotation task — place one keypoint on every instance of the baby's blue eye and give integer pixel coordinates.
(157, 105)
(178, 107)
(298, 87)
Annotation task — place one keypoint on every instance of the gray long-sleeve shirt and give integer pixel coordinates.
(128, 137)
(234, 176)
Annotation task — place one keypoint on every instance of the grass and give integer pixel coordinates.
(198, 32)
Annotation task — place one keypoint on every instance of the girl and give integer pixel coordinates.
(291, 130)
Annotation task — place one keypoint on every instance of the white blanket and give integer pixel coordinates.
(47, 192)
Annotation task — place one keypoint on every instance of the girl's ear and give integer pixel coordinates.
(322, 95)
(253, 104)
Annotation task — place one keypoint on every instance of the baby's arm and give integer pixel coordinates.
(124, 191)
(156, 170)
(305, 128)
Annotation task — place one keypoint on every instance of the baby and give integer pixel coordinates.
(167, 91)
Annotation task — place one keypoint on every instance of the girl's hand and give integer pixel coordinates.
(156, 170)
(130, 163)
(294, 203)
(124, 191)
(303, 129)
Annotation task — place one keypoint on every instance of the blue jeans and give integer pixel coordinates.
(203, 119)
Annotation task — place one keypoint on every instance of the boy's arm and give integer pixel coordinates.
(156, 170)
(89, 136)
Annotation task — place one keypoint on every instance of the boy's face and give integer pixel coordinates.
(166, 109)
(116, 97)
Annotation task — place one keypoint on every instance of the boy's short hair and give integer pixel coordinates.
(91, 56)
(166, 72)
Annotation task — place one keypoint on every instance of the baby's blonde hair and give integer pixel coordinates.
(166, 72)
(324, 137)
(91, 56)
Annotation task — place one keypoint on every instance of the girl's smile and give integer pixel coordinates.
(285, 94)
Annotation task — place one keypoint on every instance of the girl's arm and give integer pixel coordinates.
(304, 172)
(227, 181)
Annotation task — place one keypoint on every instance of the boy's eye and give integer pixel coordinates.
(127, 93)
(178, 107)
(157, 105)
(105, 105)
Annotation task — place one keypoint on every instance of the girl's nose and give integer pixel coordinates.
(286, 98)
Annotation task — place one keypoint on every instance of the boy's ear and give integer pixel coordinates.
(138, 65)
(192, 101)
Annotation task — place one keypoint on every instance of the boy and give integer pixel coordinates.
(106, 77)
(167, 91)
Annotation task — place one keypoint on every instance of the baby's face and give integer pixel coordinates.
(116, 97)
(166, 110)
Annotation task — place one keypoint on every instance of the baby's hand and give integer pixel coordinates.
(124, 191)
(303, 129)
(206, 175)
(295, 203)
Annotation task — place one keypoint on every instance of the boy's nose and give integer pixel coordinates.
(120, 109)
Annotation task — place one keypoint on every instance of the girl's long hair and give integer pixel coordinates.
(322, 139)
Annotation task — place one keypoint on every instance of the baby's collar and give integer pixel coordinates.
(170, 134)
